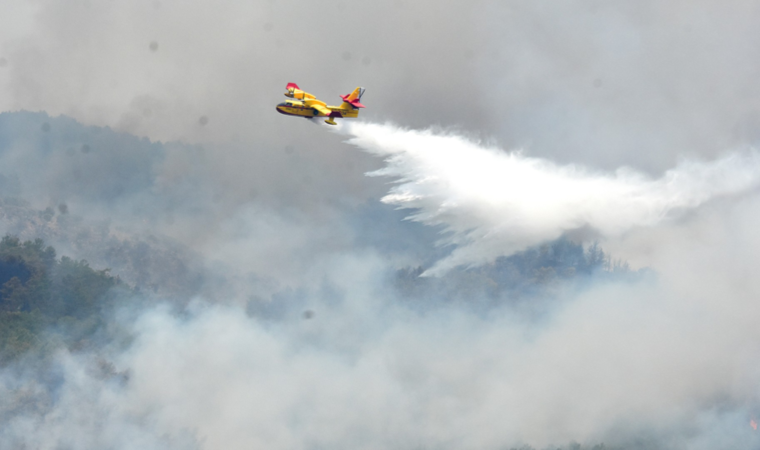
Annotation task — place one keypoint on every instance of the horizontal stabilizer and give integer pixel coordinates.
(354, 103)
(354, 97)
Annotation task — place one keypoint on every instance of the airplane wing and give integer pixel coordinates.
(318, 105)
(293, 91)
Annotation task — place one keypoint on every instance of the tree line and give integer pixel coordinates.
(46, 301)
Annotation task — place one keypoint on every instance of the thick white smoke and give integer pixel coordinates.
(494, 203)
(618, 363)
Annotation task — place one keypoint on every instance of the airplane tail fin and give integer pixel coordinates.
(354, 97)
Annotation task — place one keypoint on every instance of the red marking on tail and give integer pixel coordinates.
(292, 85)
(355, 102)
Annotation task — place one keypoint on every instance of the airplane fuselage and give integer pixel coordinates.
(297, 108)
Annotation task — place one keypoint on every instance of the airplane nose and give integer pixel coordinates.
(281, 109)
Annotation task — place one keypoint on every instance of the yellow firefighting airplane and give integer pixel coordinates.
(308, 106)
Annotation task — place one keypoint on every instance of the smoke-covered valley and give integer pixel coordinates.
(540, 233)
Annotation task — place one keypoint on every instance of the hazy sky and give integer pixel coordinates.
(602, 83)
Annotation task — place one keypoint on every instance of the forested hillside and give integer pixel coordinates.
(46, 301)
(96, 194)
(536, 272)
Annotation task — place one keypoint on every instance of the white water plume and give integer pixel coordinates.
(492, 203)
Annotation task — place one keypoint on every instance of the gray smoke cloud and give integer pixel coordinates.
(262, 212)
(617, 362)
